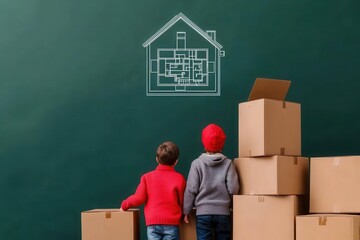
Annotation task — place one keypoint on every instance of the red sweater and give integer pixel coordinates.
(162, 191)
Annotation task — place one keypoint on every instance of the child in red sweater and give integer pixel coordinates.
(162, 192)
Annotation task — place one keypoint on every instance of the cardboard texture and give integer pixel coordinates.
(110, 224)
(188, 230)
(267, 126)
(334, 184)
(276, 175)
(328, 227)
(265, 217)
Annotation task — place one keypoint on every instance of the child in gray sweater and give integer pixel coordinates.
(211, 183)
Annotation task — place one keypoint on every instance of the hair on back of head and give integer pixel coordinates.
(167, 153)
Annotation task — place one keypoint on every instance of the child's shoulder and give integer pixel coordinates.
(180, 175)
(197, 160)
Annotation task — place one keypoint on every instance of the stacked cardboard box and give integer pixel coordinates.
(328, 227)
(268, 125)
(334, 184)
(265, 217)
(334, 200)
(273, 175)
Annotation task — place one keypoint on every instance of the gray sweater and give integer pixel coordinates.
(211, 182)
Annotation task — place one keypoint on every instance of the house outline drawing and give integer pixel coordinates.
(182, 70)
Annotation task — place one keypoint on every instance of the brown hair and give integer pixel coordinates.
(167, 153)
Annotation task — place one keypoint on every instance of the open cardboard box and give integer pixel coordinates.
(268, 125)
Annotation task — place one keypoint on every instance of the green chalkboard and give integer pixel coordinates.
(77, 129)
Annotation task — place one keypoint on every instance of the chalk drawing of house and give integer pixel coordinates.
(183, 60)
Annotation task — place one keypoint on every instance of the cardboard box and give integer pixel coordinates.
(334, 184)
(110, 224)
(267, 124)
(276, 175)
(188, 230)
(265, 217)
(327, 227)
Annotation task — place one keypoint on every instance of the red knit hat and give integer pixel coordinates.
(213, 138)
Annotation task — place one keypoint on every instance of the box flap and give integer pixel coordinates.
(269, 88)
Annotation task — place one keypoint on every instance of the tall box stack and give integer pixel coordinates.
(273, 175)
(334, 200)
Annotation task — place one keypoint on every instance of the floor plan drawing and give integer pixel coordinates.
(185, 63)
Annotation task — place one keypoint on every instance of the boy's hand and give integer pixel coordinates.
(186, 218)
(121, 210)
